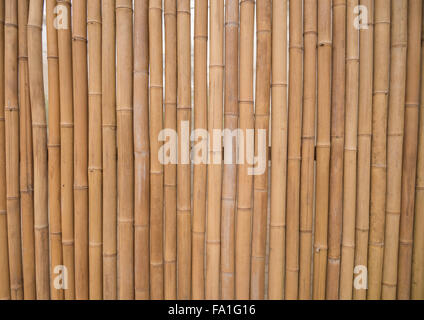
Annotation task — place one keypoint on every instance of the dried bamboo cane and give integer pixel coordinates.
(245, 181)
(260, 196)
(141, 151)
(109, 150)
(200, 169)
(94, 26)
(308, 148)
(323, 148)
(125, 144)
(279, 151)
(394, 145)
(11, 111)
(410, 145)
(170, 170)
(229, 175)
(183, 168)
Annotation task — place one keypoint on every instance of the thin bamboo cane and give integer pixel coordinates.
(229, 175)
(379, 144)
(141, 151)
(260, 196)
(11, 111)
(124, 111)
(94, 26)
(308, 148)
(200, 123)
(394, 145)
(245, 181)
(279, 151)
(170, 170)
(109, 150)
(410, 145)
(183, 168)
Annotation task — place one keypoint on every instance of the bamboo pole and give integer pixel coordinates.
(245, 181)
(94, 26)
(308, 148)
(109, 150)
(170, 170)
(277, 235)
(124, 111)
(183, 169)
(410, 145)
(323, 149)
(379, 145)
(11, 111)
(141, 151)
(260, 196)
(394, 145)
(200, 169)
(229, 175)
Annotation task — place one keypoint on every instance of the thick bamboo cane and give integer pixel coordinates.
(109, 150)
(94, 29)
(125, 144)
(200, 169)
(394, 145)
(260, 196)
(323, 148)
(308, 147)
(410, 145)
(229, 175)
(245, 181)
(170, 170)
(142, 151)
(277, 235)
(183, 168)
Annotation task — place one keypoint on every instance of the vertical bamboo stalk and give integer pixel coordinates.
(200, 123)
(125, 144)
(260, 196)
(141, 150)
(410, 145)
(277, 235)
(183, 168)
(94, 28)
(394, 145)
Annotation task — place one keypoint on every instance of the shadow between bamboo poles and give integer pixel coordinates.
(260, 196)
(109, 153)
(279, 151)
(200, 170)
(94, 28)
(229, 175)
(379, 147)
(394, 146)
(142, 152)
(125, 144)
(410, 145)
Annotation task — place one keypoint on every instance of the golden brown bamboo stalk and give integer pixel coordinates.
(170, 170)
(200, 123)
(308, 147)
(394, 145)
(141, 151)
(245, 181)
(229, 175)
(323, 148)
(94, 26)
(260, 193)
(277, 227)
(11, 111)
(109, 150)
(183, 168)
(410, 145)
(125, 144)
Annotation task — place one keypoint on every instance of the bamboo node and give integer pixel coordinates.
(94, 244)
(383, 92)
(94, 94)
(9, 24)
(53, 146)
(325, 43)
(279, 84)
(213, 242)
(110, 255)
(94, 21)
(155, 8)
(52, 57)
(232, 24)
(200, 37)
(376, 244)
(11, 109)
(41, 227)
(123, 7)
(247, 1)
(39, 125)
(34, 26)
(156, 86)
(258, 257)
(80, 188)
(296, 47)
(68, 243)
(378, 166)
(412, 105)
(390, 285)
(392, 212)
(3, 212)
(402, 44)
(173, 261)
(124, 109)
(406, 243)
(10, 198)
(66, 125)
(348, 245)
(181, 11)
(219, 66)
(310, 32)
(94, 169)
(319, 248)
(183, 107)
(263, 31)
(143, 72)
(79, 38)
(381, 22)
(169, 13)
(2, 119)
